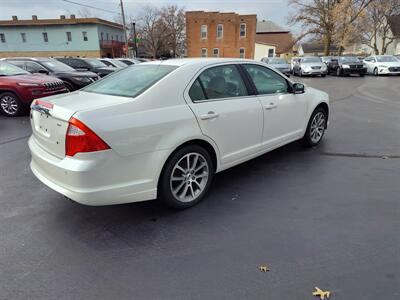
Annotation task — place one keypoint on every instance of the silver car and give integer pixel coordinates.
(310, 66)
(277, 63)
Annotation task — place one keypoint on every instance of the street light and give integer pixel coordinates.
(134, 39)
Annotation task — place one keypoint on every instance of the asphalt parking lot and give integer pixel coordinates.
(326, 217)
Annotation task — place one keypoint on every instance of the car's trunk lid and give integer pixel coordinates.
(50, 116)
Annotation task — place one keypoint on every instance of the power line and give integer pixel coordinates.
(89, 6)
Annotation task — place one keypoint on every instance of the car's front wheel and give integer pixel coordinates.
(316, 128)
(376, 72)
(10, 104)
(186, 177)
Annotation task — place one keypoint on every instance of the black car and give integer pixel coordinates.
(73, 79)
(346, 65)
(87, 64)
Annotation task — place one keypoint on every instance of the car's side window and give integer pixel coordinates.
(266, 81)
(220, 82)
(196, 92)
(33, 67)
(20, 64)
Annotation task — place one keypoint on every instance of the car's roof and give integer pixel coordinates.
(31, 58)
(197, 61)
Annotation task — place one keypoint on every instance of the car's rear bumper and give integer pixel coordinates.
(98, 178)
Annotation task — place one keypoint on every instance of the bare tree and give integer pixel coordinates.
(153, 31)
(175, 21)
(377, 27)
(325, 19)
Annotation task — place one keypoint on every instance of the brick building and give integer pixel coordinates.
(270, 33)
(215, 34)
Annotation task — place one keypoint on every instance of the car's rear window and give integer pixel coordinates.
(130, 82)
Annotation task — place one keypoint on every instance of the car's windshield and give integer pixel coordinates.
(57, 66)
(127, 62)
(276, 61)
(311, 60)
(131, 81)
(349, 59)
(7, 69)
(119, 63)
(95, 63)
(388, 58)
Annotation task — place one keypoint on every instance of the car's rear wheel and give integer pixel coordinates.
(316, 128)
(186, 177)
(10, 104)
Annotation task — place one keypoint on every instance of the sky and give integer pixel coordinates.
(274, 10)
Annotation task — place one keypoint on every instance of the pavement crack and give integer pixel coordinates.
(14, 140)
(360, 155)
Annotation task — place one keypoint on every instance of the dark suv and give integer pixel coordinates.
(73, 80)
(346, 65)
(87, 64)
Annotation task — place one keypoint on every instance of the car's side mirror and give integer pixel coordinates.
(43, 72)
(298, 88)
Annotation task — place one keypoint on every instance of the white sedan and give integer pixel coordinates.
(163, 129)
(382, 65)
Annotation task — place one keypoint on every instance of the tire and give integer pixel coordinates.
(338, 72)
(376, 73)
(186, 190)
(362, 75)
(311, 138)
(11, 105)
(323, 75)
(301, 73)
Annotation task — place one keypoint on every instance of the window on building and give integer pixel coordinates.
(216, 52)
(242, 30)
(204, 52)
(220, 31)
(23, 37)
(242, 52)
(102, 36)
(2, 38)
(69, 36)
(271, 53)
(45, 37)
(84, 35)
(203, 31)
(107, 36)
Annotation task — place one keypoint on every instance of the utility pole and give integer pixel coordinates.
(134, 38)
(124, 24)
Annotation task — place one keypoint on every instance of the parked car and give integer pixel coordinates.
(310, 66)
(294, 61)
(382, 65)
(347, 65)
(73, 79)
(129, 61)
(398, 57)
(114, 63)
(87, 64)
(18, 88)
(131, 137)
(327, 59)
(279, 64)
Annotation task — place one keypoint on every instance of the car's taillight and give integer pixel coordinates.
(81, 138)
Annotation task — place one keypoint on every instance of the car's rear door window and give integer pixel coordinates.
(219, 83)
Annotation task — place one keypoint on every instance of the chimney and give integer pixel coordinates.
(14, 18)
(34, 18)
(62, 17)
(72, 16)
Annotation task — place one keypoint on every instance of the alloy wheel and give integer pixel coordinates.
(189, 177)
(317, 128)
(9, 105)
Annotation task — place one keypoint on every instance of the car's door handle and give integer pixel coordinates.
(271, 106)
(210, 115)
